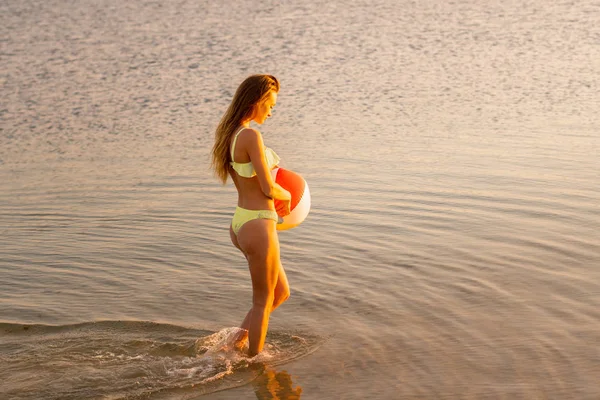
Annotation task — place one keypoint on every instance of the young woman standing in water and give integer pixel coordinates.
(239, 152)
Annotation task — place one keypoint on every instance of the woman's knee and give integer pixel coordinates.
(285, 294)
(282, 290)
(281, 297)
(263, 298)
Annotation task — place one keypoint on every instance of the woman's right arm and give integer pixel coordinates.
(268, 186)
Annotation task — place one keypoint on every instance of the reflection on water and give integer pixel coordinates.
(276, 385)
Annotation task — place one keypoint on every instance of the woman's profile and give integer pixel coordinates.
(239, 152)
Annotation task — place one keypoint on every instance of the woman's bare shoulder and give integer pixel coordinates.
(250, 136)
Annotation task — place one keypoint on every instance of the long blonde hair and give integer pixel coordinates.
(252, 91)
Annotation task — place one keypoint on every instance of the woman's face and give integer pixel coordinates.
(262, 111)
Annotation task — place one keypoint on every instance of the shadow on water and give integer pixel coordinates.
(140, 360)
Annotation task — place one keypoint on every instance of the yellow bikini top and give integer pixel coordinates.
(247, 169)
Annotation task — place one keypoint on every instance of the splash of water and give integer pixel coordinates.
(117, 360)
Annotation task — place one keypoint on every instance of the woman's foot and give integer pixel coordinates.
(240, 340)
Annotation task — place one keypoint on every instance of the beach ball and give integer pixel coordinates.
(300, 203)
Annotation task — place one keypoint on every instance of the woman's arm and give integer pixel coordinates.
(256, 152)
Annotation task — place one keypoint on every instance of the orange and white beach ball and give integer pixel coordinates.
(300, 203)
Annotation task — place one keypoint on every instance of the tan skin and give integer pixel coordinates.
(257, 239)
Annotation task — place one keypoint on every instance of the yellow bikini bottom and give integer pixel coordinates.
(242, 215)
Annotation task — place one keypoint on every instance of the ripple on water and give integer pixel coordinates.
(115, 359)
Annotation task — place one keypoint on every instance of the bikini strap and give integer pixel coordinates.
(234, 142)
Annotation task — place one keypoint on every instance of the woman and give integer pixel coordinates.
(239, 152)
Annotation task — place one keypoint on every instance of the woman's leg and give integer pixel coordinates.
(242, 336)
(282, 293)
(258, 240)
(282, 289)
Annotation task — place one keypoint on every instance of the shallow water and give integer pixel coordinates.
(132, 360)
(451, 149)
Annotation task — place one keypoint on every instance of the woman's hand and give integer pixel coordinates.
(283, 205)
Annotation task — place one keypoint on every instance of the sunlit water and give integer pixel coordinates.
(451, 149)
